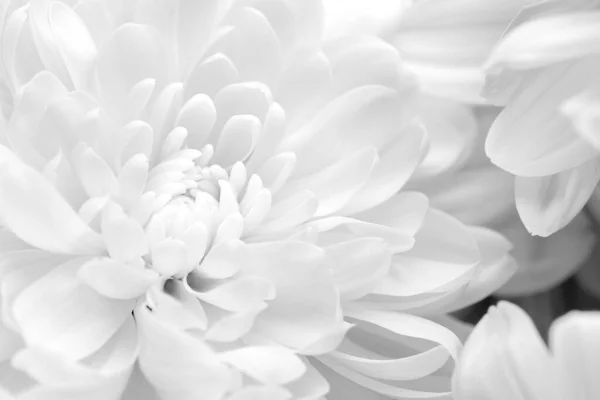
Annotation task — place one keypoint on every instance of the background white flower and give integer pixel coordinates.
(506, 358)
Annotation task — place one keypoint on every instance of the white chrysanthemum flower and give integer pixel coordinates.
(505, 358)
(445, 42)
(206, 188)
(544, 71)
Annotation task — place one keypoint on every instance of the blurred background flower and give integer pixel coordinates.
(505, 358)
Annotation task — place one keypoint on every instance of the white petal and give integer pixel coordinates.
(210, 75)
(548, 40)
(104, 375)
(241, 294)
(198, 115)
(392, 171)
(338, 129)
(73, 41)
(444, 257)
(96, 176)
(505, 358)
(223, 260)
(574, 345)
(335, 185)
(305, 308)
(254, 47)
(233, 326)
(124, 237)
(495, 269)
(357, 265)
(547, 204)
(32, 208)
(177, 364)
(395, 369)
(274, 128)
(277, 170)
(268, 364)
(584, 111)
(169, 256)
(116, 280)
(236, 140)
(60, 313)
(531, 137)
(133, 54)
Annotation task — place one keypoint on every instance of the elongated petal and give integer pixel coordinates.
(358, 265)
(547, 204)
(133, 53)
(338, 129)
(531, 137)
(394, 369)
(32, 208)
(338, 183)
(74, 42)
(548, 40)
(241, 294)
(394, 169)
(445, 256)
(116, 280)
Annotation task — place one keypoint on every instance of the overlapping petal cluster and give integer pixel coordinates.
(479, 193)
(544, 71)
(208, 195)
(505, 358)
(446, 42)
